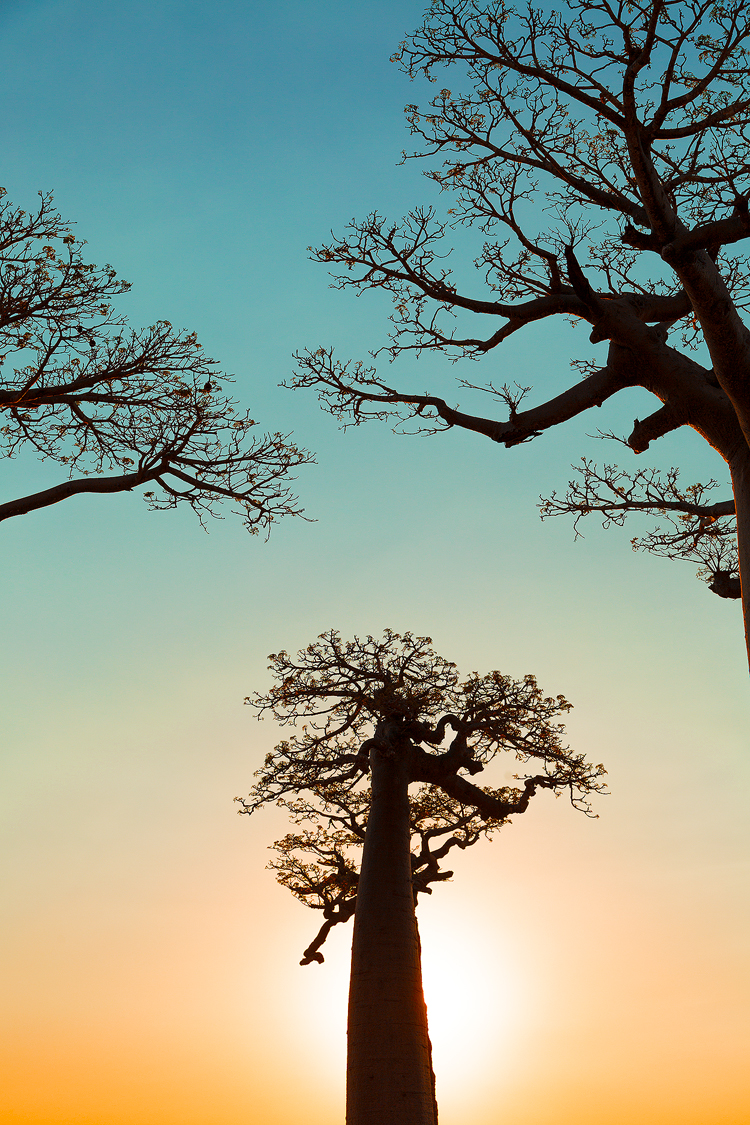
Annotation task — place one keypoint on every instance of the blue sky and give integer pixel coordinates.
(200, 149)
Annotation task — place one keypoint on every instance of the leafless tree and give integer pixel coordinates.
(382, 710)
(603, 152)
(118, 409)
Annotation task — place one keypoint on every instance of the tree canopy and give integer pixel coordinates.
(118, 408)
(343, 695)
(602, 151)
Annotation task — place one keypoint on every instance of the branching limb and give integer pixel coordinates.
(342, 914)
(320, 866)
(119, 409)
(690, 528)
(710, 236)
(354, 393)
(661, 422)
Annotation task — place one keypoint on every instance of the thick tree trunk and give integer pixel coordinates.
(740, 467)
(389, 1067)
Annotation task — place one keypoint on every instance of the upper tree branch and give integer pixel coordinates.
(661, 422)
(121, 483)
(348, 394)
(709, 236)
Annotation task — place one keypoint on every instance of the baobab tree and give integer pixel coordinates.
(118, 409)
(603, 152)
(380, 711)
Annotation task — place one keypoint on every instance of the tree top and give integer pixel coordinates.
(350, 698)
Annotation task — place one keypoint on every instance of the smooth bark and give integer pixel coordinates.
(740, 468)
(389, 1070)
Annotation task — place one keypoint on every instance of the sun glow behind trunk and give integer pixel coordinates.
(475, 1002)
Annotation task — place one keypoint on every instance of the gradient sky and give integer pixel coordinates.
(577, 971)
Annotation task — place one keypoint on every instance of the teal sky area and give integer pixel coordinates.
(152, 962)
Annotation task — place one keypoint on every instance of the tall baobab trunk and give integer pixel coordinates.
(389, 1068)
(740, 467)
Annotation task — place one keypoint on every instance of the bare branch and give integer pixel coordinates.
(689, 528)
(119, 409)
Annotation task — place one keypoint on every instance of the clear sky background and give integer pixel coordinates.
(577, 971)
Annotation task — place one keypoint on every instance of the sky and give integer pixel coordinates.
(576, 970)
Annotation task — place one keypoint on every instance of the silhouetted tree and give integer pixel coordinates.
(383, 710)
(120, 409)
(604, 152)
